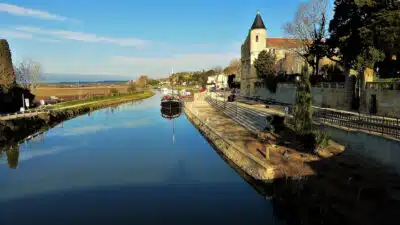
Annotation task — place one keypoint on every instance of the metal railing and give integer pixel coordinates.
(254, 119)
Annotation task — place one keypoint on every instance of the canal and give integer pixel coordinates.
(122, 166)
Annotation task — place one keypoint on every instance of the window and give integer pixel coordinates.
(257, 38)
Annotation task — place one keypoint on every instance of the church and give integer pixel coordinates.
(256, 41)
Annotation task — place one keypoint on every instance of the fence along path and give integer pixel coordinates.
(254, 119)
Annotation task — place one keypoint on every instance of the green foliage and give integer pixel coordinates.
(321, 138)
(114, 91)
(334, 73)
(200, 78)
(364, 31)
(154, 82)
(7, 75)
(132, 88)
(265, 64)
(303, 105)
(265, 68)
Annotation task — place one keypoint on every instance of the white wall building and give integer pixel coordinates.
(218, 81)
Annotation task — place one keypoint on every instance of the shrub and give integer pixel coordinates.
(321, 138)
(12, 100)
(7, 75)
(131, 88)
(114, 91)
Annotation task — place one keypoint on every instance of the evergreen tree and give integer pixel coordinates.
(7, 75)
(362, 31)
(303, 105)
(265, 68)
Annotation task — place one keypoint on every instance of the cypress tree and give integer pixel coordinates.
(7, 75)
(303, 105)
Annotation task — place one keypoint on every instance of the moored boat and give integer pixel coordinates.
(171, 101)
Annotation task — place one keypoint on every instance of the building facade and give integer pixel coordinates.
(217, 81)
(257, 41)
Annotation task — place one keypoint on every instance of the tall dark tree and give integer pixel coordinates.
(303, 105)
(265, 64)
(266, 69)
(362, 31)
(7, 75)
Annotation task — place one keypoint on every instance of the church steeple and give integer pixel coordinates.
(258, 22)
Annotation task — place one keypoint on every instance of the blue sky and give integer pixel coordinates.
(127, 38)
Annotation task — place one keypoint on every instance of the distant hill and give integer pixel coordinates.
(73, 79)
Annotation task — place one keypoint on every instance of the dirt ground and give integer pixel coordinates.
(71, 92)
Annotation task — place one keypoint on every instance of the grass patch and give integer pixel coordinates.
(98, 99)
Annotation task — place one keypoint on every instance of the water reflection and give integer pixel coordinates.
(171, 112)
(10, 152)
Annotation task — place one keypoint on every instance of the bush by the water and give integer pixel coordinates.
(12, 100)
(321, 138)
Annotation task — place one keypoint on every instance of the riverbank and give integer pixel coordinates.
(241, 146)
(16, 129)
(335, 188)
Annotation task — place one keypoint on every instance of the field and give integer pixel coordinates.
(71, 92)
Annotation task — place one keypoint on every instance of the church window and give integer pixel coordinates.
(256, 38)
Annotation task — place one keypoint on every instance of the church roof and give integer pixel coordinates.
(283, 43)
(258, 22)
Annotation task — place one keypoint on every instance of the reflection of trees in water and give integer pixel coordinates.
(12, 153)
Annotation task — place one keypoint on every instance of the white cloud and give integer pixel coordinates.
(86, 37)
(21, 11)
(5, 33)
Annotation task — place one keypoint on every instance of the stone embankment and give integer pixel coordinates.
(15, 129)
(337, 187)
(235, 139)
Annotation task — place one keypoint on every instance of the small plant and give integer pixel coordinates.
(321, 138)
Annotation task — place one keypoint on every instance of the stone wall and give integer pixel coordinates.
(379, 149)
(388, 101)
(330, 95)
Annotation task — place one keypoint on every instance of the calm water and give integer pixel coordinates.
(121, 166)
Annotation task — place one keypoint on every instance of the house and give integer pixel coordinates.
(217, 81)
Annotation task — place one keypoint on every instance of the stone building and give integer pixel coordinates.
(256, 41)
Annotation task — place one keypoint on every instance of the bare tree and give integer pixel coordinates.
(218, 69)
(234, 67)
(309, 28)
(29, 73)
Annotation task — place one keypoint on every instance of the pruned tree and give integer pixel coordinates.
(7, 75)
(29, 74)
(234, 67)
(303, 106)
(309, 28)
